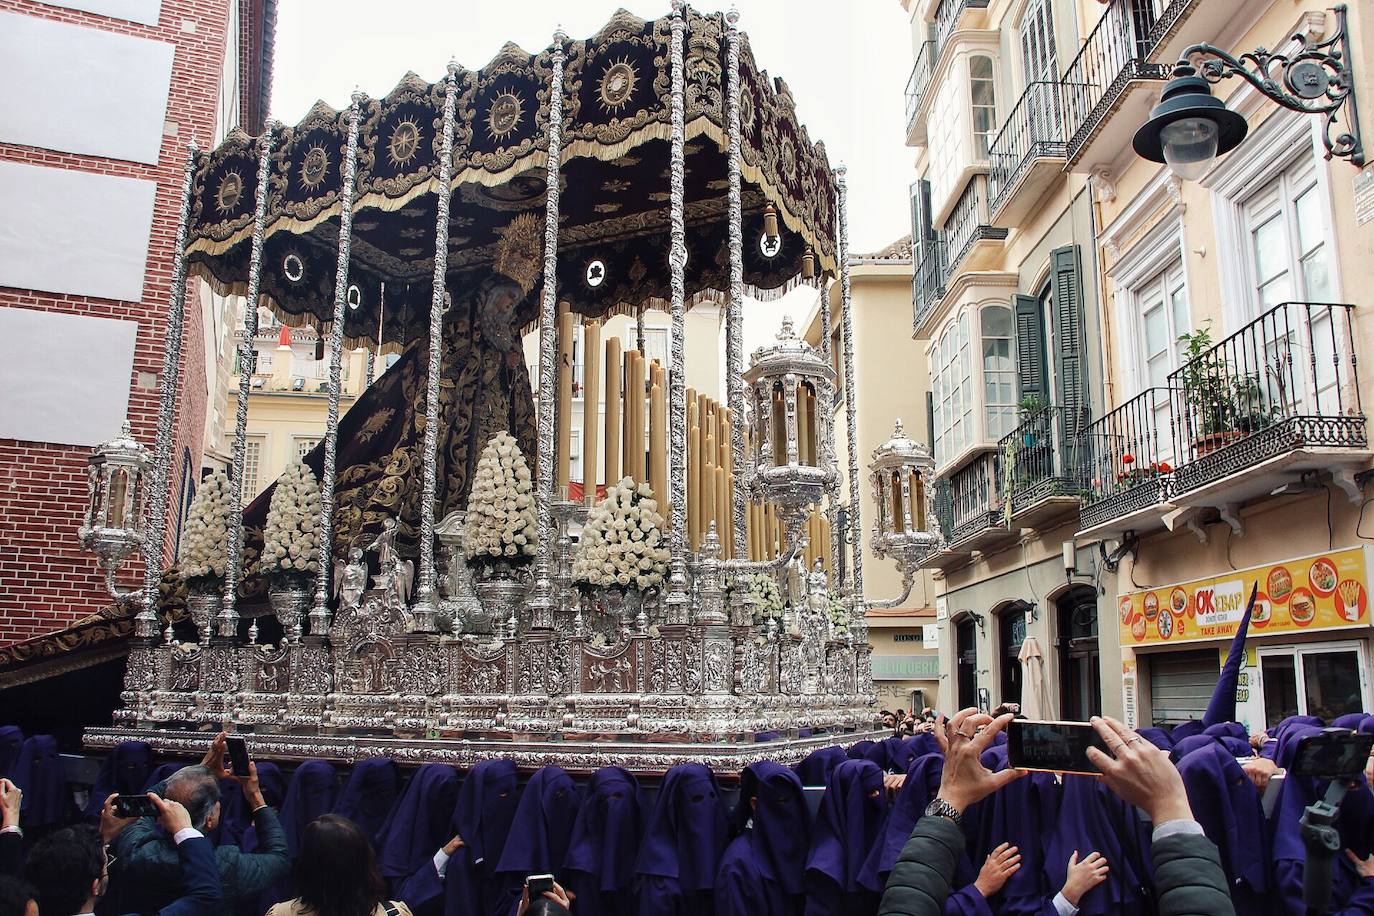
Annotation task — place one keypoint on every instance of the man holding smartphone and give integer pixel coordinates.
(147, 872)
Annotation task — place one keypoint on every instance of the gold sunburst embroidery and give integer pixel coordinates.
(617, 84)
(314, 167)
(505, 115)
(404, 142)
(230, 192)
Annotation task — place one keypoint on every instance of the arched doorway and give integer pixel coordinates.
(1011, 633)
(1080, 668)
(966, 662)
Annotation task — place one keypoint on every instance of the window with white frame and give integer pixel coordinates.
(999, 370)
(982, 103)
(951, 383)
(1162, 303)
(252, 461)
(304, 444)
(1286, 231)
(1037, 43)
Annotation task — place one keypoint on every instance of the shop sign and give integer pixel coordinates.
(930, 635)
(1328, 591)
(1129, 703)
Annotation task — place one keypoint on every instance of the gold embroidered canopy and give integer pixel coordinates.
(613, 228)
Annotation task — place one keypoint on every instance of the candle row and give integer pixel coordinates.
(710, 472)
(803, 401)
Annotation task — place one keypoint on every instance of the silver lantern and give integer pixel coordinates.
(114, 526)
(901, 475)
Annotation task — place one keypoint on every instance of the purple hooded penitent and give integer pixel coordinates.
(1351, 720)
(38, 772)
(763, 868)
(859, 749)
(815, 769)
(846, 826)
(160, 774)
(312, 791)
(124, 772)
(236, 820)
(542, 828)
(11, 740)
(419, 823)
(605, 838)
(1222, 706)
(1093, 819)
(686, 833)
(922, 782)
(1227, 805)
(369, 793)
(1020, 813)
(1190, 744)
(1186, 730)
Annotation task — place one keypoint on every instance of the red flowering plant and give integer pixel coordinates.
(1132, 473)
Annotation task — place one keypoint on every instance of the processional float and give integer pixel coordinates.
(428, 595)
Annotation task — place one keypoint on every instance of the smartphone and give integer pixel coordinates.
(1059, 747)
(238, 756)
(134, 806)
(1336, 753)
(538, 884)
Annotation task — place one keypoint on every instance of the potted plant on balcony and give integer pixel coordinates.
(1030, 406)
(1225, 405)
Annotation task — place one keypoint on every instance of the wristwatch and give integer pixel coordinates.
(938, 807)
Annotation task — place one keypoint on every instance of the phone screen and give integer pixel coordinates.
(1061, 747)
(238, 756)
(538, 884)
(1332, 756)
(134, 806)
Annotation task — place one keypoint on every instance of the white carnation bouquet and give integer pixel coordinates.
(623, 544)
(207, 531)
(838, 613)
(291, 536)
(766, 598)
(500, 517)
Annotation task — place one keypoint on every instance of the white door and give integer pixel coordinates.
(1163, 309)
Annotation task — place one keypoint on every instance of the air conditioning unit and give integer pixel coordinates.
(258, 382)
(298, 384)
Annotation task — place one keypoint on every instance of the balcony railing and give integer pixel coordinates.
(1130, 457)
(1285, 381)
(944, 508)
(968, 221)
(1033, 130)
(928, 281)
(947, 16)
(919, 82)
(1114, 54)
(1042, 457)
(976, 503)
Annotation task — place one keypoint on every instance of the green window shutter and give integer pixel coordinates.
(1068, 334)
(930, 421)
(1032, 368)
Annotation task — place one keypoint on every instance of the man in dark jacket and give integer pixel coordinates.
(147, 872)
(1188, 877)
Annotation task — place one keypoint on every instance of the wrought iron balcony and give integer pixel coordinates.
(917, 85)
(968, 223)
(1098, 84)
(1130, 456)
(1180, 23)
(1040, 465)
(1282, 392)
(948, 15)
(931, 258)
(1027, 152)
(944, 508)
(977, 502)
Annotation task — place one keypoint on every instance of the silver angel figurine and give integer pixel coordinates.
(350, 579)
(395, 575)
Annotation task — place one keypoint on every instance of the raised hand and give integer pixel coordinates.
(1001, 864)
(1084, 875)
(963, 739)
(1139, 772)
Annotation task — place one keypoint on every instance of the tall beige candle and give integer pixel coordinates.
(613, 382)
(722, 522)
(693, 480)
(803, 431)
(658, 443)
(564, 415)
(708, 485)
(591, 408)
(629, 418)
(640, 397)
(729, 464)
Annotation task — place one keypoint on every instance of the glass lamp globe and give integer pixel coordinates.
(1190, 145)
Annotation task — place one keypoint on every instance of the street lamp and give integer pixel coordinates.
(1190, 127)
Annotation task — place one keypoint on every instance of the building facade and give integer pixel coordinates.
(891, 384)
(1145, 390)
(98, 100)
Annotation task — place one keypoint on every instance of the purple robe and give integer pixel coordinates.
(369, 793)
(312, 792)
(540, 832)
(762, 872)
(39, 773)
(419, 823)
(601, 855)
(1227, 805)
(1158, 737)
(1190, 744)
(1020, 813)
(125, 771)
(1186, 730)
(1350, 893)
(1351, 720)
(161, 774)
(815, 770)
(846, 826)
(1093, 819)
(859, 749)
(235, 819)
(686, 833)
(11, 740)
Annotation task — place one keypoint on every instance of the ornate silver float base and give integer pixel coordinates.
(290, 604)
(501, 598)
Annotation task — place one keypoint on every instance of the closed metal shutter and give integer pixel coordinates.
(1181, 684)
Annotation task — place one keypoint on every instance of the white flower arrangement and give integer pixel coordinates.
(207, 531)
(500, 516)
(623, 544)
(766, 598)
(291, 536)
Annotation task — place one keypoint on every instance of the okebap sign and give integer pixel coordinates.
(1327, 591)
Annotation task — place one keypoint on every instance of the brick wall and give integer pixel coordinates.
(46, 580)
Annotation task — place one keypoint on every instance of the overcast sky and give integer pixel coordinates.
(846, 63)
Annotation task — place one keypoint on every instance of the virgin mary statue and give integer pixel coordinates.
(484, 388)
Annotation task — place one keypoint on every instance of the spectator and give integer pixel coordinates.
(236, 818)
(605, 837)
(147, 871)
(763, 868)
(124, 772)
(419, 823)
(11, 835)
(541, 830)
(337, 874)
(686, 833)
(369, 793)
(846, 827)
(38, 772)
(17, 897)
